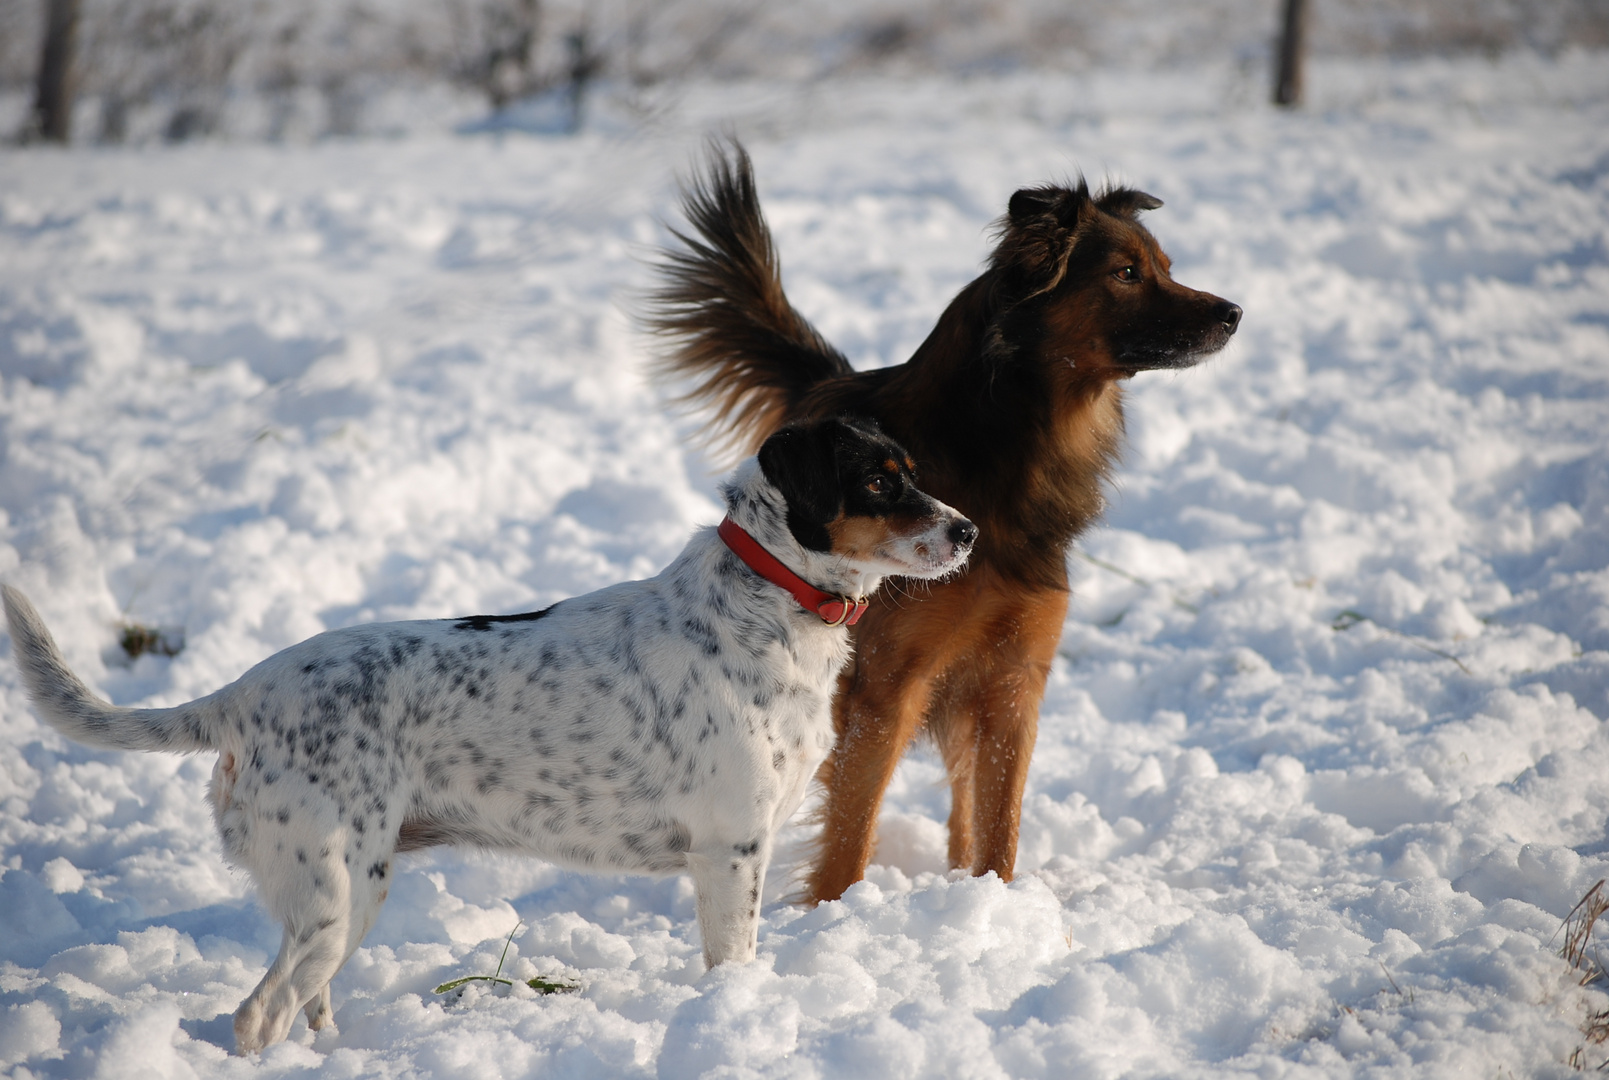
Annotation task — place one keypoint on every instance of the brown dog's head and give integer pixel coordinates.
(1081, 279)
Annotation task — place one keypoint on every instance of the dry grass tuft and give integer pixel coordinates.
(138, 640)
(1582, 956)
(1577, 929)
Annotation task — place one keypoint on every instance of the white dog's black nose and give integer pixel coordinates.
(962, 533)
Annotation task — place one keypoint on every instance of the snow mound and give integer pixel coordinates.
(1322, 763)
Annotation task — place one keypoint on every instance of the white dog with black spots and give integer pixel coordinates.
(663, 726)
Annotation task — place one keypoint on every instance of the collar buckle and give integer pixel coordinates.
(848, 609)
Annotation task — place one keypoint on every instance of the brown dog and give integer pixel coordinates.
(1013, 411)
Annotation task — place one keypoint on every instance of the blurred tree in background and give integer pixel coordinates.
(306, 68)
(54, 88)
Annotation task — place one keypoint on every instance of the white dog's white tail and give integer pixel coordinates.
(63, 699)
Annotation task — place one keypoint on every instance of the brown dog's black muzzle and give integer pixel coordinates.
(1229, 315)
(1178, 334)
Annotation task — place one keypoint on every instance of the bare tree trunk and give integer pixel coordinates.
(53, 100)
(584, 66)
(1288, 81)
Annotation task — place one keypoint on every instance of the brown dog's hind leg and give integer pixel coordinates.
(952, 723)
(961, 768)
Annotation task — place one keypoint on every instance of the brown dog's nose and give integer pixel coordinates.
(963, 533)
(1229, 315)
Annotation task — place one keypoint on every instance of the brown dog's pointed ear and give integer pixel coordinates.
(801, 461)
(1047, 206)
(1126, 202)
(1037, 236)
(1029, 204)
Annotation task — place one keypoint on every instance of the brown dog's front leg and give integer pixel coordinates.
(873, 731)
(989, 733)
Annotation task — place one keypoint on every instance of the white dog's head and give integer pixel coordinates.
(851, 511)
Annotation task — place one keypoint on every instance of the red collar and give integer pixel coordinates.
(834, 610)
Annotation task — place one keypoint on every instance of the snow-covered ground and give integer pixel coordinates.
(1322, 766)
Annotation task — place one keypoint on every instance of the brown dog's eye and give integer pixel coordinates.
(1128, 273)
(877, 484)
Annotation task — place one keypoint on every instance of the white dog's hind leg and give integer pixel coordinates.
(319, 937)
(312, 951)
(369, 890)
(320, 1014)
(326, 889)
(728, 882)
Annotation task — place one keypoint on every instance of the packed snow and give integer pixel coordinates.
(1322, 766)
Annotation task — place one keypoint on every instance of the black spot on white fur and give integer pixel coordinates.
(486, 622)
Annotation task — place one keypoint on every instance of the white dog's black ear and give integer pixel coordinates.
(801, 461)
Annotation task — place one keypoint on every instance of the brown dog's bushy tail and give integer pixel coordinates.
(737, 346)
(63, 699)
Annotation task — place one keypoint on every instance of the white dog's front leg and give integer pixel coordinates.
(728, 883)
